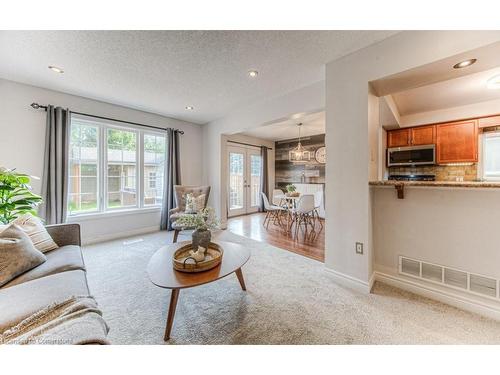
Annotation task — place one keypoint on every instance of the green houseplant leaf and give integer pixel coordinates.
(16, 197)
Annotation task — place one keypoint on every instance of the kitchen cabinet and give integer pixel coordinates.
(420, 135)
(423, 135)
(456, 142)
(398, 138)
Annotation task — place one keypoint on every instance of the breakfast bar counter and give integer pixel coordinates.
(446, 184)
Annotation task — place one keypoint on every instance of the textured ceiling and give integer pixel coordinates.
(312, 124)
(165, 71)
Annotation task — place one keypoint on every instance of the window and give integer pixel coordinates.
(121, 167)
(491, 155)
(152, 180)
(154, 164)
(83, 168)
(107, 163)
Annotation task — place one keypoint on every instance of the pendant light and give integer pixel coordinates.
(299, 154)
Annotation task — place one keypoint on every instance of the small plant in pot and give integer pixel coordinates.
(291, 190)
(16, 198)
(202, 222)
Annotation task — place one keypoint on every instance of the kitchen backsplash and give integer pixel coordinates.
(442, 172)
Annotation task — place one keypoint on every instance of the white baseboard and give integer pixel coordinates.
(117, 235)
(371, 282)
(351, 282)
(480, 307)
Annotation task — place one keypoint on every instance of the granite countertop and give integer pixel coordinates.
(463, 184)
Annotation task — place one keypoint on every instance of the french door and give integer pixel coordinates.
(244, 178)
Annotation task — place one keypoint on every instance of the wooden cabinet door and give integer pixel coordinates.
(457, 142)
(398, 138)
(423, 135)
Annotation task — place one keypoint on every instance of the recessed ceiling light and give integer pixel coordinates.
(56, 69)
(464, 64)
(253, 73)
(494, 82)
(189, 108)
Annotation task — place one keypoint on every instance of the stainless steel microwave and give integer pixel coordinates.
(411, 155)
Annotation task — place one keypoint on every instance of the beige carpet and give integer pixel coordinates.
(290, 300)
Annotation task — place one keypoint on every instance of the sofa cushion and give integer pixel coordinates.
(20, 301)
(35, 229)
(66, 258)
(17, 254)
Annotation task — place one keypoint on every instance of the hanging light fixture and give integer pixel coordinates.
(299, 154)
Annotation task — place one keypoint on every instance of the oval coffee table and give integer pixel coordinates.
(161, 273)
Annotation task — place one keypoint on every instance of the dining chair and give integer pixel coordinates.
(318, 201)
(278, 197)
(302, 214)
(273, 212)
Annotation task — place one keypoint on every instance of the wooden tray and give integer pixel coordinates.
(213, 258)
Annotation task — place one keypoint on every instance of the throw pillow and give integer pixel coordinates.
(194, 204)
(17, 254)
(35, 229)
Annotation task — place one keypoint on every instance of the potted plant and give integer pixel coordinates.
(16, 197)
(202, 222)
(291, 190)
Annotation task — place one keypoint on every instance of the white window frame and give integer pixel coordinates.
(483, 176)
(102, 166)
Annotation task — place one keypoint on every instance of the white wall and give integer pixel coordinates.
(347, 135)
(22, 132)
(306, 99)
(455, 227)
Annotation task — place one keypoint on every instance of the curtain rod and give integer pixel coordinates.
(249, 144)
(44, 107)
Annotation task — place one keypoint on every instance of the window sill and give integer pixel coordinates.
(104, 215)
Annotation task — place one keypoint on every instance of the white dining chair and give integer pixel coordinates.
(318, 201)
(273, 212)
(302, 215)
(278, 197)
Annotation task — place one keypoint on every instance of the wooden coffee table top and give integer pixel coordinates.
(162, 273)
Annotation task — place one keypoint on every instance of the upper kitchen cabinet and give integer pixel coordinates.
(420, 135)
(457, 142)
(423, 135)
(398, 138)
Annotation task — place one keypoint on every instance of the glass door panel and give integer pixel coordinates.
(244, 175)
(237, 183)
(255, 161)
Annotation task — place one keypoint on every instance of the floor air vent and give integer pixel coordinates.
(450, 277)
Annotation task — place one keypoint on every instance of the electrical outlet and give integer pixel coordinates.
(359, 248)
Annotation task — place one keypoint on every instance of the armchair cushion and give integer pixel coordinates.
(181, 191)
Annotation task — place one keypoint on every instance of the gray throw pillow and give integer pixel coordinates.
(17, 254)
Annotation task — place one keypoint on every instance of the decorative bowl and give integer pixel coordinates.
(183, 262)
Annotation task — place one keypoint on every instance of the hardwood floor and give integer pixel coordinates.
(251, 226)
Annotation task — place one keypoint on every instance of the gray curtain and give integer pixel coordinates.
(264, 178)
(55, 166)
(172, 177)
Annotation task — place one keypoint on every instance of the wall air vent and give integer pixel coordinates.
(450, 277)
(411, 267)
(432, 272)
(455, 278)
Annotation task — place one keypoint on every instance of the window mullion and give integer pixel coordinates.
(140, 170)
(103, 175)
